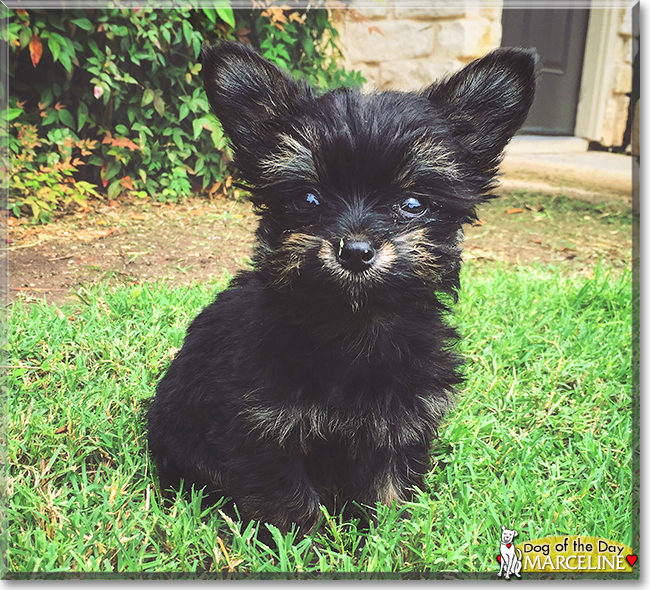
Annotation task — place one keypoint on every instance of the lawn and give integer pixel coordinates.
(541, 439)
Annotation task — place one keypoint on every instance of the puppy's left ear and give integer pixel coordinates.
(488, 100)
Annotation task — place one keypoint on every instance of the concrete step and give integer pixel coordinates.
(541, 144)
(564, 164)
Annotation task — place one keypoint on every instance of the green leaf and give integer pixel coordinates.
(159, 104)
(52, 117)
(119, 30)
(209, 12)
(166, 35)
(187, 32)
(114, 189)
(66, 118)
(197, 127)
(196, 46)
(147, 97)
(112, 169)
(11, 114)
(122, 129)
(178, 138)
(25, 36)
(227, 15)
(183, 111)
(55, 50)
(66, 62)
(83, 23)
(82, 115)
(93, 47)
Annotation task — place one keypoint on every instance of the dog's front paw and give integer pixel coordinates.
(285, 508)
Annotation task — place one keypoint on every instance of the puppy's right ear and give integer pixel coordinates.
(488, 100)
(246, 91)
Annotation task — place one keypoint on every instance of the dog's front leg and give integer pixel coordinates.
(508, 566)
(273, 487)
(390, 475)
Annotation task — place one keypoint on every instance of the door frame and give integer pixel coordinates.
(600, 48)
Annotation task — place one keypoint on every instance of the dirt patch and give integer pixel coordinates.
(131, 243)
(524, 227)
(199, 240)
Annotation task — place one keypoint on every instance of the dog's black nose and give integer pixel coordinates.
(356, 255)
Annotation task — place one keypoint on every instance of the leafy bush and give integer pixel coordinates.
(127, 78)
(41, 182)
(130, 81)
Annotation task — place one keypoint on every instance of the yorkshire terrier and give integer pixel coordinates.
(326, 369)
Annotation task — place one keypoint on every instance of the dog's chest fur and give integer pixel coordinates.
(357, 381)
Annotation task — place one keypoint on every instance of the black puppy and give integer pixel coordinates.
(329, 366)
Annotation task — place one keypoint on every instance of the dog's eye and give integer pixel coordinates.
(411, 207)
(311, 200)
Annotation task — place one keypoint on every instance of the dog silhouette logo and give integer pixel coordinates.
(509, 557)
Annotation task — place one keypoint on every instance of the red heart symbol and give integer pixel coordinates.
(631, 559)
(509, 545)
(499, 558)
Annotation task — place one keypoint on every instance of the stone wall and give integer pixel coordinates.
(409, 48)
(618, 102)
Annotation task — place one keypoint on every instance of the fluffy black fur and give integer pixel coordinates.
(328, 367)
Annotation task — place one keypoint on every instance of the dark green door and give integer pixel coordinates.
(559, 36)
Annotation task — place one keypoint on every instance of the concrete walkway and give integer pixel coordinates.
(562, 165)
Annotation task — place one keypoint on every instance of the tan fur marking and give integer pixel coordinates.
(293, 251)
(388, 493)
(415, 246)
(430, 158)
(292, 158)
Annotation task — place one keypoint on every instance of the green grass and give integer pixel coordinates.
(541, 439)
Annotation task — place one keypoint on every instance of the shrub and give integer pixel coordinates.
(41, 182)
(129, 80)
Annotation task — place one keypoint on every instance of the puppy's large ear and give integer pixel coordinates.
(488, 100)
(246, 91)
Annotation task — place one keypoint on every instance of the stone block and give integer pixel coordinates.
(492, 12)
(378, 13)
(397, 40)
(468, 39)
(615, 120)
(624, 49)
(625, 22)
(623, 82)
(439, 10)
(414, 75)
(372, 75)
